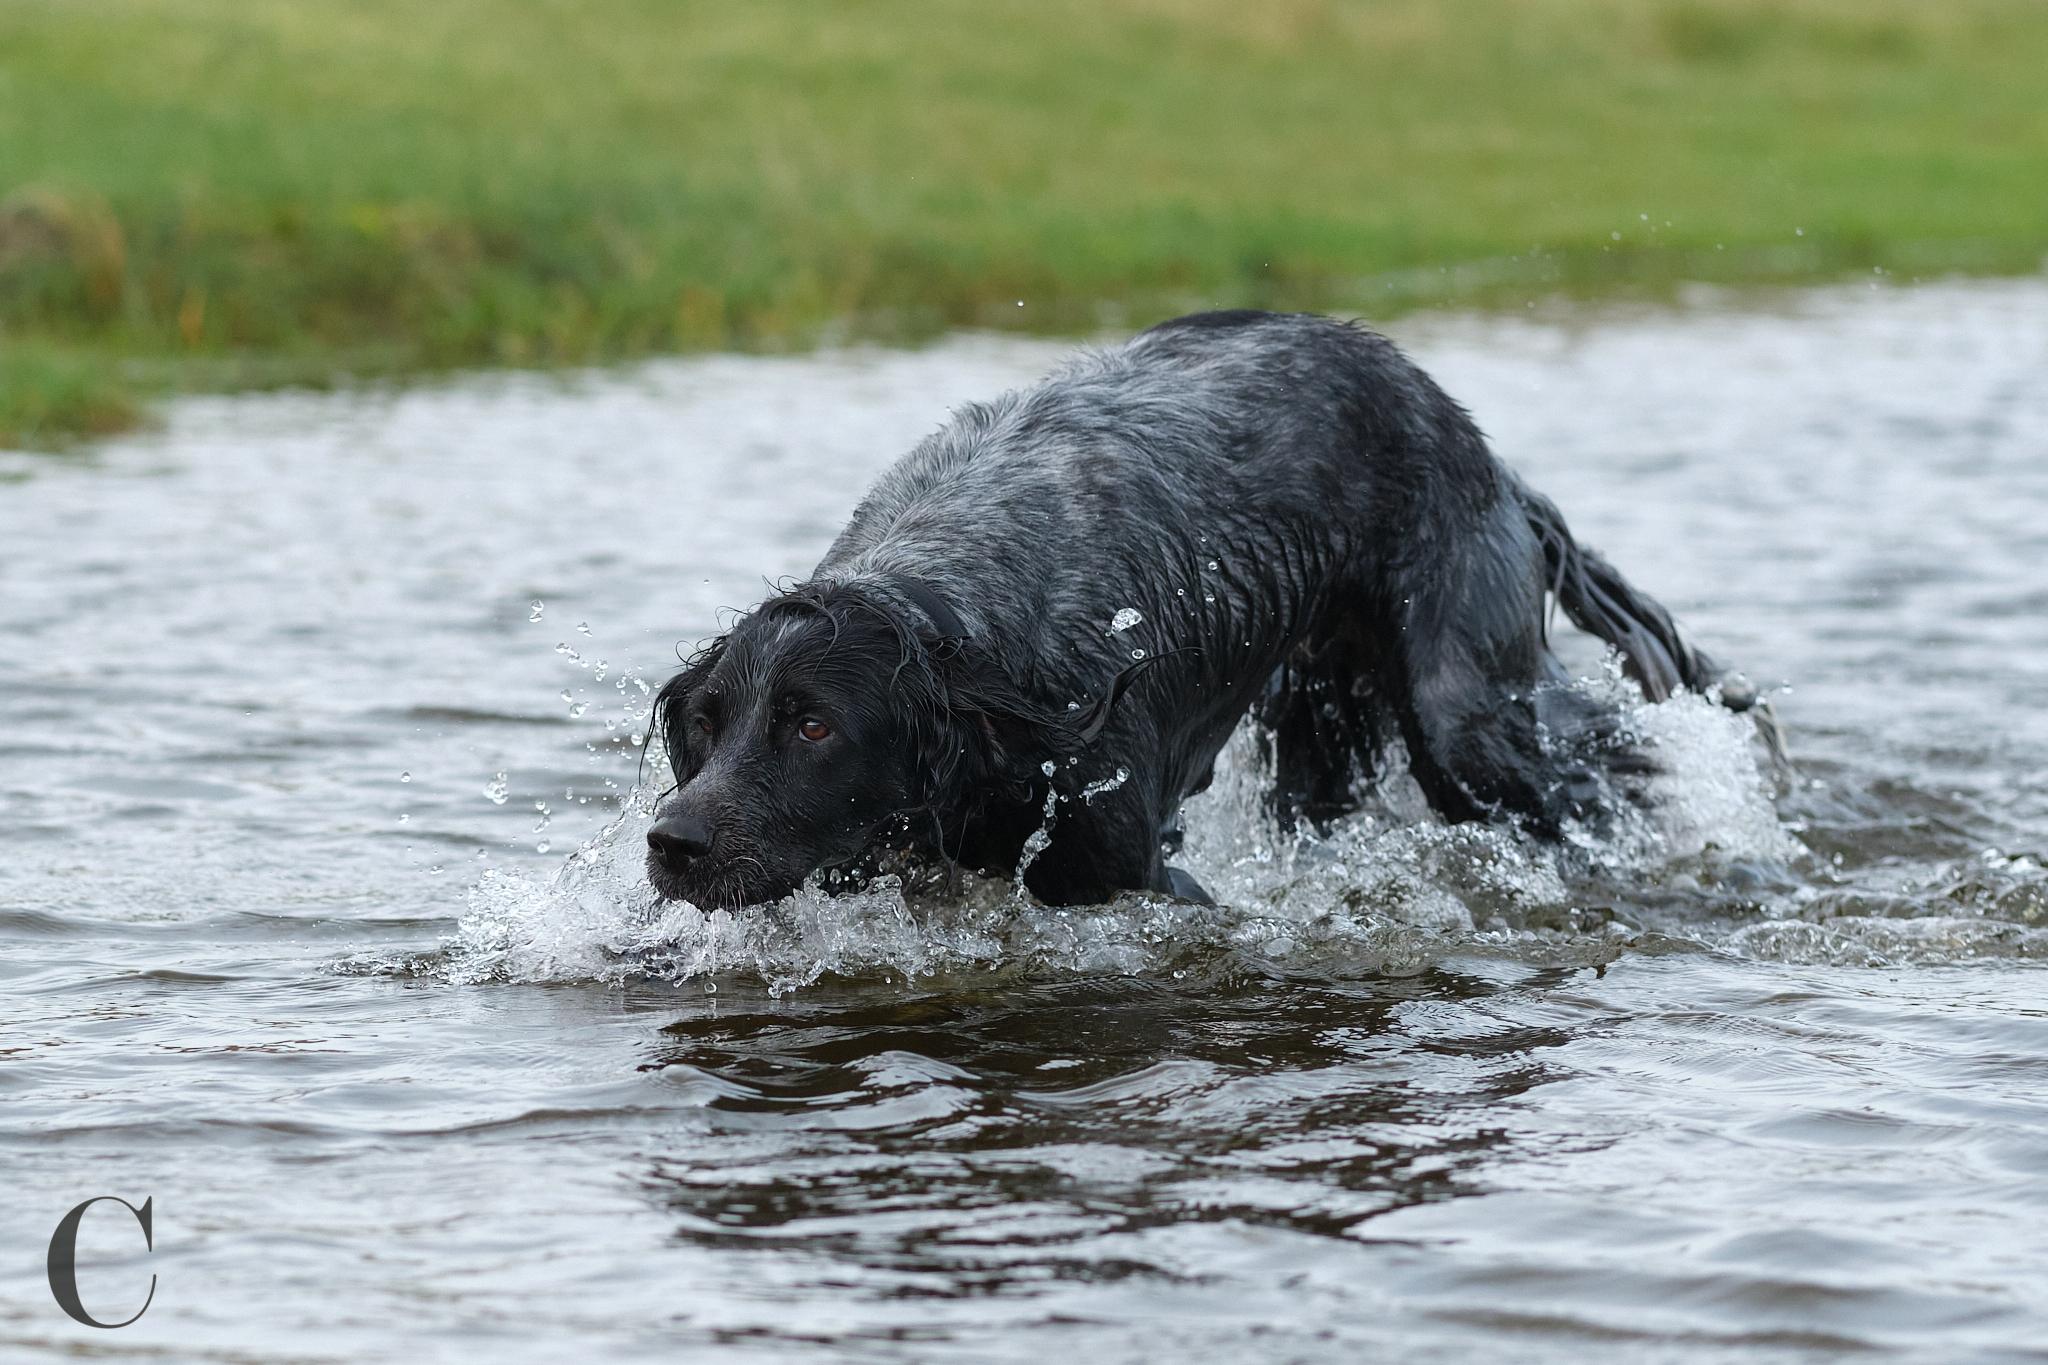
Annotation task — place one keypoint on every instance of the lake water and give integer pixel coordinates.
(315, 711)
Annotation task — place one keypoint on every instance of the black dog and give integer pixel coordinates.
(1101, 575)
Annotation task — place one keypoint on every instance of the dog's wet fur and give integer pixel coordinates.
(1308, 528)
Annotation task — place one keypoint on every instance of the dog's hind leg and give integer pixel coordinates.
(1475, 748)
(1470, 672)
(1324, 726)
(1488, 729)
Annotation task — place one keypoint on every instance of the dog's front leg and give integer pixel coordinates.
(1105, 845)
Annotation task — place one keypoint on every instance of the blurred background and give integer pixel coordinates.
(223, 194)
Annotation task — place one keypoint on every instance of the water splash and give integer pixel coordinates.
(1040, 839)
(1105, 786)
(1864, 941)
(1388, 890)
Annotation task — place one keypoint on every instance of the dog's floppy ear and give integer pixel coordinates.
(975, 731)
(674, 695)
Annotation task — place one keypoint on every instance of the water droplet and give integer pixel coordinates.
(1137, 654)
(497, 789)
(405, 777)
(1048, 767)
(583, 627)
(1214, 565)
(1125, 619)
(1105, 786)
(434, 871)
(542, 846)
(535, 608)
(403, 817)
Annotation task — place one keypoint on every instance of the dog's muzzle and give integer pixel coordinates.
(676, 840)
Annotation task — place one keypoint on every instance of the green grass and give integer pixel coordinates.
(51, 395)
(225, 192)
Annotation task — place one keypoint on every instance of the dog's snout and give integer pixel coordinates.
(675, 839)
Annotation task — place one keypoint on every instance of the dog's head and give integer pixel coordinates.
(828, 715)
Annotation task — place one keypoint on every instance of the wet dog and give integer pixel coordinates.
(1049, 616)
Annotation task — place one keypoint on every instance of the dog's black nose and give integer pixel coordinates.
(675, 839)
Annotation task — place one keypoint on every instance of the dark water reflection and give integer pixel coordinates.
(996, 1145)
(965, 1105)
(1573, 1157)
(289, 761)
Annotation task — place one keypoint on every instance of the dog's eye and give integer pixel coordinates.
(704, 724)
(813, 729)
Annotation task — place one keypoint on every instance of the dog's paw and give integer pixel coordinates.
(1182, 886)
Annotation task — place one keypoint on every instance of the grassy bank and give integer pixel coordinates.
(236, 191)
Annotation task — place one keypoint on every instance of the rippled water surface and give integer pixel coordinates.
(319, 925)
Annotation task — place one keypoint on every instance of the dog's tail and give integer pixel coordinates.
(1602, 603)
(1599, 601)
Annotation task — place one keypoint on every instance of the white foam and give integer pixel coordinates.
(1709, 802)
(1863, 941)
(1390, 889)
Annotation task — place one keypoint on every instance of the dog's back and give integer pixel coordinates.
(1238, 434)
